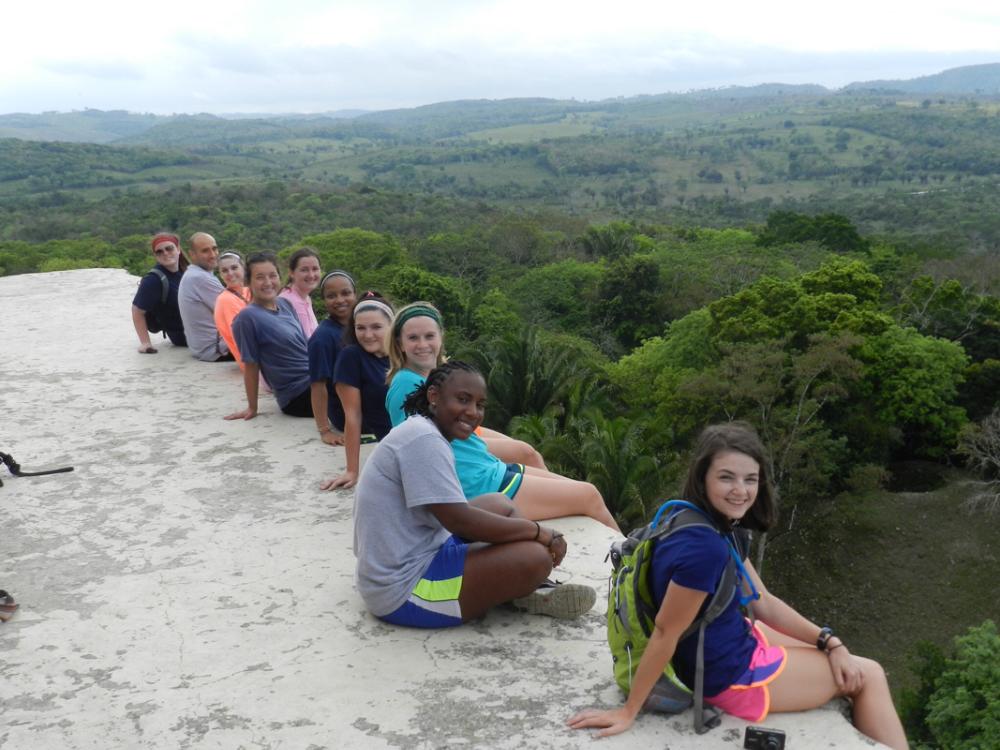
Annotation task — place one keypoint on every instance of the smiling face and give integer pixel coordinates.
(167, 255)
(458, 404)
(231, 271)
(265, 283)
(370, 329)
(731, 483)
(339, 297)
(204, 251)
(305, 276)
(420, 340)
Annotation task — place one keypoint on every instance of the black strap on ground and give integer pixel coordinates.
(15, 468)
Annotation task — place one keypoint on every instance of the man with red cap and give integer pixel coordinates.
(154, 307)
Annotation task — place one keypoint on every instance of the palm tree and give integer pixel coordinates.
(612, 454)
(524, 375)
(616, 454)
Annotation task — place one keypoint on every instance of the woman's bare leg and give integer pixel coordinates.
(512, 451)
(807, 682)
(538, 472)
(544, 495)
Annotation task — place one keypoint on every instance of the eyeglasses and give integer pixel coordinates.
(165, 249)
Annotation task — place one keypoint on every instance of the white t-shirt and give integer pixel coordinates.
(395, 537)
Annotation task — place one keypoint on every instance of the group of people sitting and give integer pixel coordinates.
(447, 513)
(351, 373)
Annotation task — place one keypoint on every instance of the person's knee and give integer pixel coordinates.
(537, 562)
(874, 672)
(594, 500)
(494, 502)
(531, 457)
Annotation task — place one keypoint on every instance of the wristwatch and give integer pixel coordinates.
(825, 634)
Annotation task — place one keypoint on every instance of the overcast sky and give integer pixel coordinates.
(321, 55)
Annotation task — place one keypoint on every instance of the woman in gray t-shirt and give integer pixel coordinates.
(413, 526)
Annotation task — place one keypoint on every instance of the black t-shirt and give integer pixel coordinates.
(168, 314)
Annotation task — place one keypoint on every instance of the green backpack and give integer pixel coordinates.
(632, 609)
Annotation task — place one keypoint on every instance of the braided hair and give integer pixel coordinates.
(417, 403)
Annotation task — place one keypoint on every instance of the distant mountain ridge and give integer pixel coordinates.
(183, 130)
(982, 80)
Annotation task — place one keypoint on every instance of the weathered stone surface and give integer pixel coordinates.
(188, 586)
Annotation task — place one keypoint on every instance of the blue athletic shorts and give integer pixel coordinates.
(512, 479)
(434, 600)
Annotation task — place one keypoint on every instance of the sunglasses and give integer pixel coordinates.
(164, 249)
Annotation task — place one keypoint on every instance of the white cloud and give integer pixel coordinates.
(321, 54)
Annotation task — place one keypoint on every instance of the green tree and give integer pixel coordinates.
(410, 284)
(839, 296)
(616, 454)
(357, 251)
(952, 310)
(465, 255)
(927, 663)
(611, 453)
(494, 316)
(912, 382)
(559, 295)
(784, 394)
(980, 393)
(833, 231)
(957, 705)
(520, 242)
(631, 299)
(526, 372)
(612, 241)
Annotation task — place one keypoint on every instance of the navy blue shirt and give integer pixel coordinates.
(695, 558)
(273, 339)
(366, 372)
(148, 299)
(324, 347)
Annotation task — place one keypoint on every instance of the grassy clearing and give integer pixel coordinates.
(532, 132)
(890, 569)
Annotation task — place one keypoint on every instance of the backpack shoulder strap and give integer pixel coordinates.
(743, 538)
(164, 284)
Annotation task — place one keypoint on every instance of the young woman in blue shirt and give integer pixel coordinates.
(359, 379)
(782, 662)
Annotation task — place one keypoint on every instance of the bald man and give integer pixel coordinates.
(196, 298)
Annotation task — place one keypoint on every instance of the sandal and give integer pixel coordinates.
(7, 606)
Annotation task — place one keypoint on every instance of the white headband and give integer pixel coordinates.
(376, 305)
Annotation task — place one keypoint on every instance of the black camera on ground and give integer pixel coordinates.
(762, 738)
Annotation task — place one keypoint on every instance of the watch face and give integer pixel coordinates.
(824, 635)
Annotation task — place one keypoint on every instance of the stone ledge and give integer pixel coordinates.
(189, 587)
